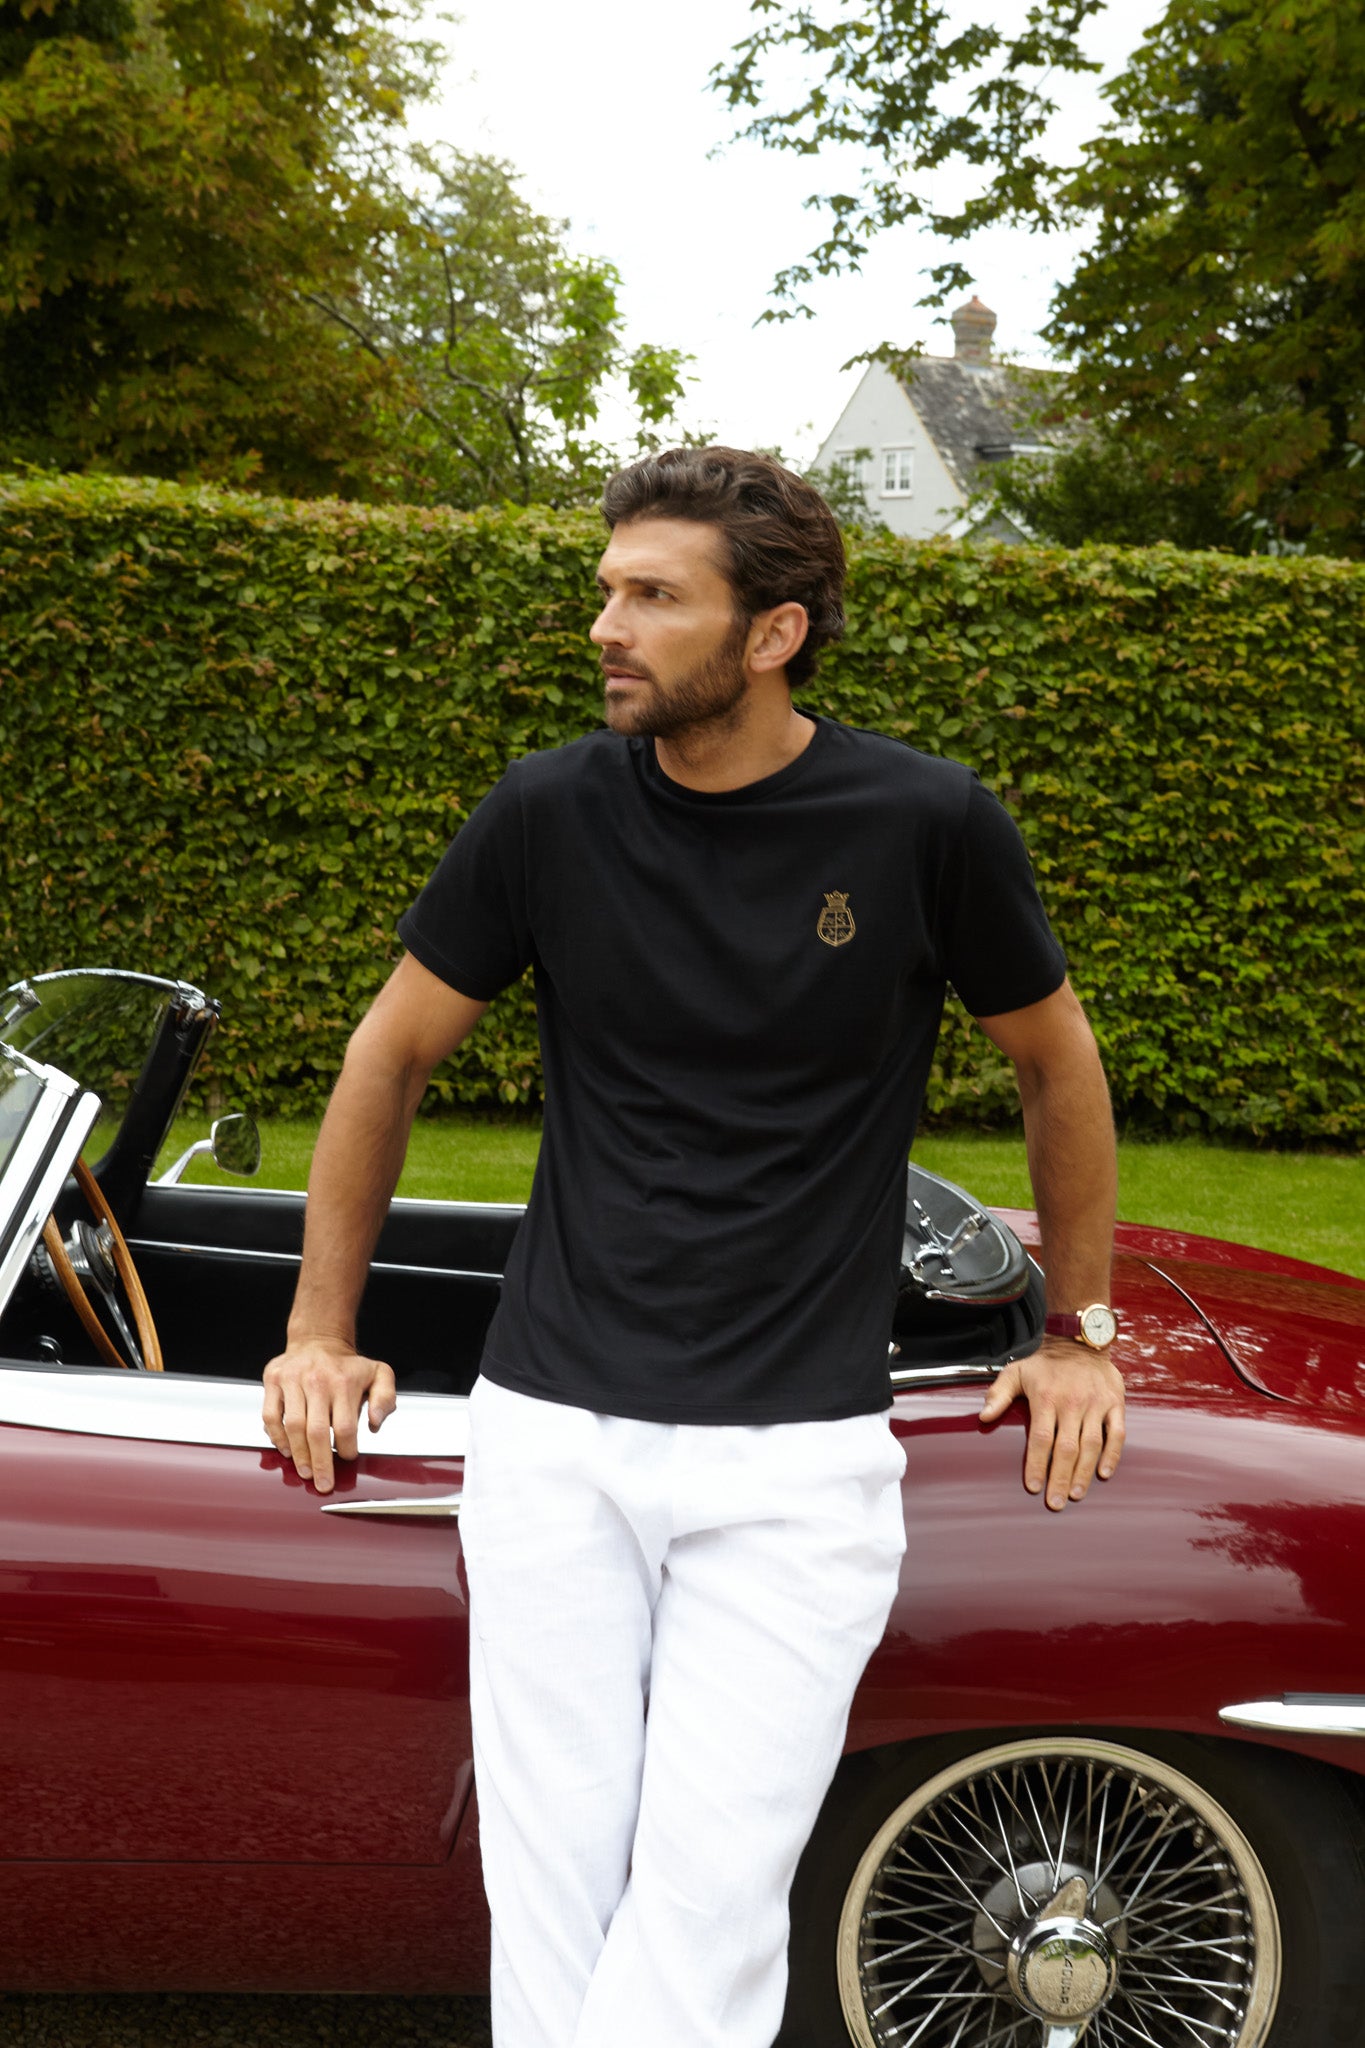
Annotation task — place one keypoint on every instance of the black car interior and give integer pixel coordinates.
(219, 1264)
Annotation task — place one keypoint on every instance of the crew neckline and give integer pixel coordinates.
(766, 786)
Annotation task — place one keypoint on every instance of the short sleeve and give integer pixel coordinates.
(998, 949)
(470, 925)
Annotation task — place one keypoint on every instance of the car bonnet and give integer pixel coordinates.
(1292, 1331)
(1296, 1336)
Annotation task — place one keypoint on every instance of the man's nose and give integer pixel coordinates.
(607, 629)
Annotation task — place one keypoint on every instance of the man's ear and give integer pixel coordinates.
(776, 635)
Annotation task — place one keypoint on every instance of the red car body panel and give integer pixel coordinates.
(1295, 1339)
(202, 1666)
(1220, 1565)
(372, 1928)
(234, 1744)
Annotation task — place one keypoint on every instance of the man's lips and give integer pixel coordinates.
(624, 675)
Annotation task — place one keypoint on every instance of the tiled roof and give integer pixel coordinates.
(976, 412)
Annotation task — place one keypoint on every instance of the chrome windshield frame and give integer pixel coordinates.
(161, 1066)
(57, 1126)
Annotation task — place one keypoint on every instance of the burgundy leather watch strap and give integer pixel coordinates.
(1095, 1326)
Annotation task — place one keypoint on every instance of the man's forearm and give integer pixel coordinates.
(1069, 1127)
(356, 1164)
(1075, 1395)
(318, 1385)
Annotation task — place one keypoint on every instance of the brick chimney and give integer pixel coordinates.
(973, 326)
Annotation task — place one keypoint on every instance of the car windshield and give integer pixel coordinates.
(20, 1092)
(96, 1025)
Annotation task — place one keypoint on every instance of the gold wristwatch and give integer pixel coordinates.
(1096, 1326)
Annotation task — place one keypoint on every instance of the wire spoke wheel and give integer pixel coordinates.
(1049, 1891)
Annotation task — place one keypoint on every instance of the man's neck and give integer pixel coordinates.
(740, 749)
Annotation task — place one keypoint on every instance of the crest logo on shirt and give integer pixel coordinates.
(836, 926)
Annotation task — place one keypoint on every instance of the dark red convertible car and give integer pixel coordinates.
(1105, 1777)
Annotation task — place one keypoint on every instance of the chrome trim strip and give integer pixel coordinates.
(942, 1375)
(168, 1408)
(1238, 1364)
(199, 1190)
(400, 1510)
(292, 1259)
(946, 1375)
(1302, 1714)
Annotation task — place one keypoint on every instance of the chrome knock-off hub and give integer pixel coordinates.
(1060, 1966)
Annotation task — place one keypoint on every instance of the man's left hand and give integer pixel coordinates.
(1075, 1399)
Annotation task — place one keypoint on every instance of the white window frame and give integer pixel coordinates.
(898, 481)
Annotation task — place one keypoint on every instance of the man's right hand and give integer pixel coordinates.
(313, 1392)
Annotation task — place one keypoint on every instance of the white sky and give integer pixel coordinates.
(602, 106)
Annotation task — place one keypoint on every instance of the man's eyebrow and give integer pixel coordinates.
(640, 582)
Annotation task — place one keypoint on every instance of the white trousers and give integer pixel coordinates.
(667, 1626)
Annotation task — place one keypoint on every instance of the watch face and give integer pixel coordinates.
(1098, 1326)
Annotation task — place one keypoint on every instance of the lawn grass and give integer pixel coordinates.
(1309, 1204)
(451, 1158)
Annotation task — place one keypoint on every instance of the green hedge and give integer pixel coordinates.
(235, 734)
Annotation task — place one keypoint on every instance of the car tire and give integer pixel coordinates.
(942, 1880)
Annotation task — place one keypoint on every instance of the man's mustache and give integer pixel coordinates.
(622, 668)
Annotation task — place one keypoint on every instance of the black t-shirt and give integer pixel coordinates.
(738, 994)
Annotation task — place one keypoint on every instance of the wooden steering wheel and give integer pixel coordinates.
(97, 1262)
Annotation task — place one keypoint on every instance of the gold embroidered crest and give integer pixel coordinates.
(836, 926)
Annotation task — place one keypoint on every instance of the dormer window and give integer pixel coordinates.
(898, 472)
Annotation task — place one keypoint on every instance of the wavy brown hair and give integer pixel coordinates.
(783, 542)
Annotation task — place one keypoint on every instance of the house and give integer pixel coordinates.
(934, 430)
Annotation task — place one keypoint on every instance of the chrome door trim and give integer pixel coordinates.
(171, 1408)
(419, 1505)
(192, 1191)
(940, 1375)
(1302, 1713)
(294, 1259)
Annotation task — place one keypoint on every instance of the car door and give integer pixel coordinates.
(203, 1658)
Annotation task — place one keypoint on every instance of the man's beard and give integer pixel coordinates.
(709, 695)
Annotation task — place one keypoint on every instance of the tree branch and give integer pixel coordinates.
(433, 418)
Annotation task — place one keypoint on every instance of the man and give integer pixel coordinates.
(682, 1518)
